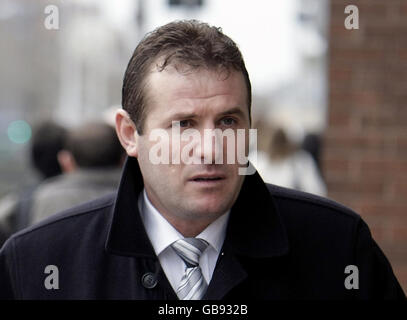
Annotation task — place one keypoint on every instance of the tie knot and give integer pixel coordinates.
(190, 249)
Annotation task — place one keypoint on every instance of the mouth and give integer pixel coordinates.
(208, 179)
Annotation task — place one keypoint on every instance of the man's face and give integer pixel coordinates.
(201, 99)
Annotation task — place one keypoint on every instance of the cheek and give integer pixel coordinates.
(143, 152)
(149, 169)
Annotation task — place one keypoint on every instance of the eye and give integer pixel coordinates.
(184, 123)
(229, 121)
(181, 123)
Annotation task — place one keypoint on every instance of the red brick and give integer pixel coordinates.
(361, 188)
(341, 165)
(381, 209)
(399, 232)
(398, 189)
(365, 144)
(384, 166)
(401, 142)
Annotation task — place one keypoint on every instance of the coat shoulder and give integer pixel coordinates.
(301, 208)
(300, 198)
(68, 219)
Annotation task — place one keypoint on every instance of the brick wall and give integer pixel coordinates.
(365, 144)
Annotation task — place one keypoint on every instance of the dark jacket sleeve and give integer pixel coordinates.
(377, 280)
(7, 272)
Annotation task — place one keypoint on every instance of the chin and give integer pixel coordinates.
(211, 208)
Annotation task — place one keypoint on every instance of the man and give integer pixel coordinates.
(200, 229)
(91, 170)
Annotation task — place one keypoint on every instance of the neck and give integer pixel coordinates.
(188, 228)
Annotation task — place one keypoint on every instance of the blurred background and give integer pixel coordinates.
(328, 102)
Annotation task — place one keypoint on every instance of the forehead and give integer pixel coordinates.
(183, 84)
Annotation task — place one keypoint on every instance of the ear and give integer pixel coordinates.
(126, 132)
(66, 161)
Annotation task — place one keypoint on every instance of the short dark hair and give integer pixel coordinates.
(94, 145)
(189, 42)
(48, 139)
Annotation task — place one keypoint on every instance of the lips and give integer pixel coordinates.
(207, 179)
(212, 177)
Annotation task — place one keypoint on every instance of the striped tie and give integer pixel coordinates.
(193, 284)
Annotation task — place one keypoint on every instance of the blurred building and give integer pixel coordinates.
(70, 74)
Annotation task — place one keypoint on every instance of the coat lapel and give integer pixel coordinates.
(228, 274)
(255, 230)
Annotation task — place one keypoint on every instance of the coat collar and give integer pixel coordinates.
(255, 227)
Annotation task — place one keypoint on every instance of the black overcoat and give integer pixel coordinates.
(280, 244)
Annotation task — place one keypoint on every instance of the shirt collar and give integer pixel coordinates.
(159, 230)
(162, 234)
(215, 233)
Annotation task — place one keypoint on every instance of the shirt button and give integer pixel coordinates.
(149, 280)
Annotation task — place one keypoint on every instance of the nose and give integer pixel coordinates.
(211, 146)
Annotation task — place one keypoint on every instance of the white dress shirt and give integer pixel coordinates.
(162, 234)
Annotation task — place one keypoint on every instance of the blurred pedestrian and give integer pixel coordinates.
(91, 161)
(312, 143)
(285, 164)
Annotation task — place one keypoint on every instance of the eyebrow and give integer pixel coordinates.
(235, 110)
(185, 115)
